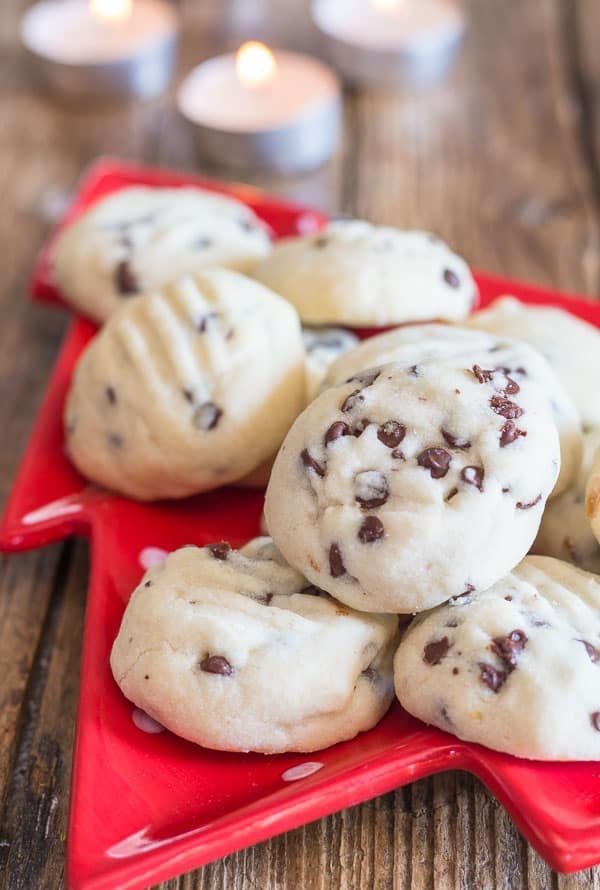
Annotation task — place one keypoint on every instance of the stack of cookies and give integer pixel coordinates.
(413, 474)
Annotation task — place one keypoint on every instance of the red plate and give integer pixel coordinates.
(146, 807)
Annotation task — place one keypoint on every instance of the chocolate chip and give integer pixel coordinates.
(125, 279)
(398, 454)
(509, 648)
(115, 440)
(521, 506)
(482, 375)
(591, 651)
(469, 588)
(391, 433)
(352, 401)
(455, 441)
(365, 378)
(595, 718)
(311, 464)
(436, 460)
(207, 416)
(202, 243)
(320, 242)
(493, 678)
(371, 489)
(473, 476)
(451, 494)
(188, 395)
(202, 324)
(434, 652)
(336, 431)
(455, 671)
(220, 550)
(511, 387)
(148, 584)
(111, 395)
(216, 664)
(265, 598)
(415, 371)
(336, 563)
(371, 530)
(247, 226)
(503, 406)
(509, 433)
(451, 278)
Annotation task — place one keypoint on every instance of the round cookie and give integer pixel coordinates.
(592, 501)
(422, 342)
(515, 668)
(571, 346)
(234, 650)
(139, 238)
(354, 273)
(323, 347)
(186, 389)
(565, 531)
(410, 484)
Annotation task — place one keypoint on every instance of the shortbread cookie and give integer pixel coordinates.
(515, 668)
(140, 238)
(593, 496)
(565, 531)
(323, 347)
(234, 650)
(571, 346)
(186, 389)
(355, 273)
(410, 484)
(420, 343)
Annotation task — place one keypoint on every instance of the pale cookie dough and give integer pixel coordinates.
(186, 389)
(410, 484)
(571, 346)
(354, 273)
(565, 531)
(139, 238)
(593, 496)
(421, 342)
(515, 668)
(234, 650)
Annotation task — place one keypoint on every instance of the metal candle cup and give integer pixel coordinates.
(78, 53)
(390, 42)
(259, 110)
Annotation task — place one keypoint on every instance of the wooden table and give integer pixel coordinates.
(503, 161)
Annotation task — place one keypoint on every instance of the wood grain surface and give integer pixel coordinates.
(502, 160)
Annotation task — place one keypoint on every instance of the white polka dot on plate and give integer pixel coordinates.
(152, 556)
(301, 771)
(145, 722)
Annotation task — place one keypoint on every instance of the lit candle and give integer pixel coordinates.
(263, 109)
(101, 48)
(390, 40)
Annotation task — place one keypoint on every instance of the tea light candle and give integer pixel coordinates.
(390, 41)
(265, 110)
(101, 48)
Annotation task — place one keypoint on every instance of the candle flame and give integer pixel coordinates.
(387, 5)
(111, 10)
(255, 64)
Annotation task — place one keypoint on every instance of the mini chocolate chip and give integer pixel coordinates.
(352, 401)
(398, 454)
(203, 242)
(591, 651)
(473, 476)
(115, 440)
(207, 416)
(455, 671)
(365, 378)
(482, 375)
(336, 431)
(148, 584)
(509, 433)
(451, 494)
(511, 387)
(216, 664)
(595, 718)
(521, 506)
(371, 530)
(247, 226)
(493, 678)
(220, 550)
(469, 588)
(126, 280)
(320, 242)
(503, 406)
(391, 433)
(146, 676)
(451, 278)
(371, 489)
(436, 460)
(311, 464)
(509, 648)
(265, 598)
(111, 395)
(434, 652)
(508, 598)
(336, 563)
(188, 395)
(455, 441)
(202, 323)
(415, 371)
